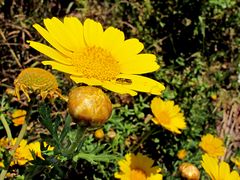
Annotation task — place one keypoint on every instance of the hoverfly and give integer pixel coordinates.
(123, 81)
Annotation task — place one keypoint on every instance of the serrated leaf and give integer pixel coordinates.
(66, 128)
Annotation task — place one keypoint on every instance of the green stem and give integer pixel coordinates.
(79, 136)
(19, 139)
(6, 127)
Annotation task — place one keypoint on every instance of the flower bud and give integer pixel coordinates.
(189, 171)
(182, 154)
(89, 105)
(99, 134)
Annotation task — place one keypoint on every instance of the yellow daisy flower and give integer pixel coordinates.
(23, 153)
(36, 80)
(212, 145)
(168, 115)
(18, 117)
(218, 171)
(138, 167)
(97, 57)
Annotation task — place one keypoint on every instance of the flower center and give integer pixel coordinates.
(96, 62)
(164, 117)
(138, 174)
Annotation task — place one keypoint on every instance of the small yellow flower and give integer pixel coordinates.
(97, 57)
(36, 80)
(181, 154)
(216, 170)
(138, 167)
(99, 134)
(19, 117)
(212, 145)
(168, 115)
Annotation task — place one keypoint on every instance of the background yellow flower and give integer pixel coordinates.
(139, 167)
(218, 171)
(18, 117)
(168, 115)
(23, 152)
(212, 145)
(97, 57)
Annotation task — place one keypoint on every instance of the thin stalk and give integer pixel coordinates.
(6, 127)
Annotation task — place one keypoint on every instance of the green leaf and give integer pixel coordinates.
(66, 128)
(46, 121)
(93, 158)
(45, 118)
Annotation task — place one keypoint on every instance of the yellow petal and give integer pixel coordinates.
(46, 35)
(156, 103)
(140, 64)
(155, 177)
(50, 52)
(76, 29)
(86, 81)
(210, 165)
(118, 88)
(130, 47)
(171, 128)
(133, 45)
(234, 175)
(93, 32)
(112, 39)
(142, 84)
(224, 169)
(179, 121)
(56, 28)
(61, 67)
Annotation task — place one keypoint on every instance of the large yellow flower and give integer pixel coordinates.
(212, 145)
(97, 57)
(218, 171)
(137, 167)
(168, 115)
